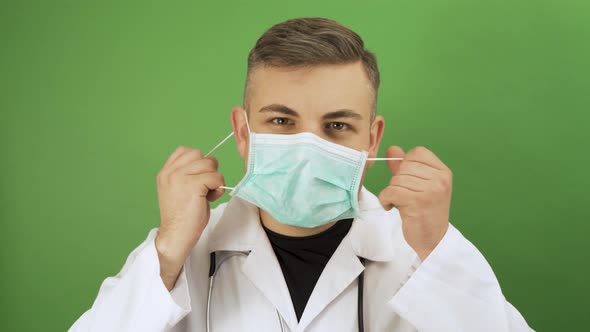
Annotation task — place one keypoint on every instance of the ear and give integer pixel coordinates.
(376, 134)
(238, 123)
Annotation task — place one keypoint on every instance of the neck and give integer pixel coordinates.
(274, 225)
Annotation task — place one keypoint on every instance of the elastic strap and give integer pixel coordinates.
(385, 158)
(228, 136)
(219, 144)
(247, 125)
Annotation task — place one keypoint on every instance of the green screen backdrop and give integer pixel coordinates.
(94, 96)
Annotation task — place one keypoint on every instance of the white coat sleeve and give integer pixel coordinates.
(136, 299)
(455, 289)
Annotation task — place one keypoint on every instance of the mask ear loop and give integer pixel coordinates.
(215, 148)
(219, 144)
(223, 141)
(247, 125)
(385, 158)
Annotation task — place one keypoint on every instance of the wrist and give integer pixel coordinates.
(423, 253)
(171, 263)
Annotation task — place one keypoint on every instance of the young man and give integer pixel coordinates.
(302, 245)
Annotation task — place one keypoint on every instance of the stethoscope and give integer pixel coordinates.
(214, 267)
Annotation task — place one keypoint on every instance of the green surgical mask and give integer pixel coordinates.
(301, 179)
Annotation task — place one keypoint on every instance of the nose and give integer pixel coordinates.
(313, 126)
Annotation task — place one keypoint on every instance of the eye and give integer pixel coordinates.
(337, 126)
(281, 121)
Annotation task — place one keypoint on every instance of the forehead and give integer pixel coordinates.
(314, 89)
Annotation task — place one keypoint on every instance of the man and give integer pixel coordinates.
(301, 245)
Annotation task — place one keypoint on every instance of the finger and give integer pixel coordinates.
(205, 165)
(409, 167)
(210, 182)
(394, 152)
(177, 152)
(409, 182)
(213, 195)
(423, 155)
(182, 153)
(395, 196)
(186, 158)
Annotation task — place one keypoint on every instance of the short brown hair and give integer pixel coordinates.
(310, 41)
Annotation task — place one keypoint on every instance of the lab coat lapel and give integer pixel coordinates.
(239, 229)
(342, 269)
(263, 269)
(370, 237)
(373, 234)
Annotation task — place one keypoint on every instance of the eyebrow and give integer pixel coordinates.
(278, 108)
(342, 113)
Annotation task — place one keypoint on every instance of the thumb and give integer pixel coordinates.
(394, 152)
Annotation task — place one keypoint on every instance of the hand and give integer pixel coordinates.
(186, 184)
(421, 190)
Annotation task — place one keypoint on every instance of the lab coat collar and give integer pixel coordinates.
(373, 232)
(371, 236)
(239, 229)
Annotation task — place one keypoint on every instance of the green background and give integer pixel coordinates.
(96, 95)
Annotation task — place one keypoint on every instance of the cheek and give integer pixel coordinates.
(363, 178)
(245, 156)
(243, 148)
(360, 141)
(245, 165)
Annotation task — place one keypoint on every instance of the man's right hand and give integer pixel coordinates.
(186, 184)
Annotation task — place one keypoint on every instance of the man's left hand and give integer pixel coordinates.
(421, 190)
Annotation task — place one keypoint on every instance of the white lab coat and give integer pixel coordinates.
(453, 289)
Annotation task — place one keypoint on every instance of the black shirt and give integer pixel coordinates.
(303, 259)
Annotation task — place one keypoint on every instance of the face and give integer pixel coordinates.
(333, 102)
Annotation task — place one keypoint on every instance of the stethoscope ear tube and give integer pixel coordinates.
(360, 298)
(212, 265)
